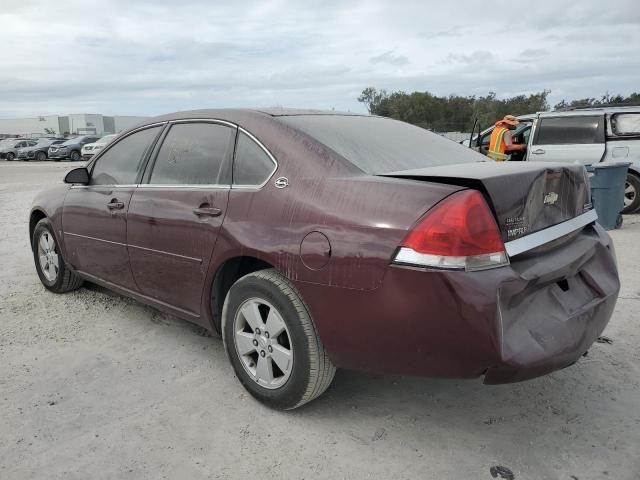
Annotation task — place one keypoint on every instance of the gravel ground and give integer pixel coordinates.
(93, 385)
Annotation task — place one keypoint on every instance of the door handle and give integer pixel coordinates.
(538, 151)
(207, 211)
(115, 205)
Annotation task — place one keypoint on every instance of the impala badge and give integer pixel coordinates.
(282, 182)
(550, 198)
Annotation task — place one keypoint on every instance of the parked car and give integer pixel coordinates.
(39, 150)
(586, 136)
(90, 149)
(71, 148)
(9, 148)
(316, 240)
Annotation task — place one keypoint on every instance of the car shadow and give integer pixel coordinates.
(568, 402)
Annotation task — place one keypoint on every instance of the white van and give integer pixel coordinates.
(583, 135)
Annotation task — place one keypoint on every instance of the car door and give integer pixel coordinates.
(573, 138)
(94, 216)
(176, 213)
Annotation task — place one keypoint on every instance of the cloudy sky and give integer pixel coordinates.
(150, 57)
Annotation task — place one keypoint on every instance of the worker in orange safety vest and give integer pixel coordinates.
(501, 143)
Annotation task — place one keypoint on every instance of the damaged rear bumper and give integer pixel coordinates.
(534, 316)
(560, 302)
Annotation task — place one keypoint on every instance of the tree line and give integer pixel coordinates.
(457, 113)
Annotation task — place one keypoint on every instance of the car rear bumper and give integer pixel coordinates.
(547, 324)
(537, 315)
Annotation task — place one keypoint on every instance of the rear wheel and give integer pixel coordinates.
(41, 156)
(631, 193)
(75, 156)
(272, 343)
(53, 272)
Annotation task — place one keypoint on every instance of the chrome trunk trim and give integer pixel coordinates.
(520, 245)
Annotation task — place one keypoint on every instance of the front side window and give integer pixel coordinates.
(570, 130)
(625, 124)
(194, 154)
(121, 164)
(252, 165)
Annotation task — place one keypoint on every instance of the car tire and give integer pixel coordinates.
(631, 193)
(41, 156)
(10, 156)
(75, 156)
(284, 371)
(52, 270)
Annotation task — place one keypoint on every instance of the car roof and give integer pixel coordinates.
(578, 112)
(230, 113)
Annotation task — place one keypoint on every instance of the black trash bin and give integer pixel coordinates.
(607, 191)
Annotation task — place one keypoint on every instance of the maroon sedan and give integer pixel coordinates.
(315, 240)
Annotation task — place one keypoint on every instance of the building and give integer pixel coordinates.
(61, 125)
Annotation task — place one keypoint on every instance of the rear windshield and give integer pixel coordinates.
(380, 145)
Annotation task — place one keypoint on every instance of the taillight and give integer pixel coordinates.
(458, 233)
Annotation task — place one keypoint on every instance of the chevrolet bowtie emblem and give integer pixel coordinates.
(550, 198)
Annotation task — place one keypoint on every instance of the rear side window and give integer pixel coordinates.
(625, 124)
(379, 145)
(570, 130)
(121, 164)
(252, 165)
(194, 153)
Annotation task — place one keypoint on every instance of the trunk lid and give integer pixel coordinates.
(525, 197)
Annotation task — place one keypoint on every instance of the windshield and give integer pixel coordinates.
(379, 145)
(72, 141)
(106, 138)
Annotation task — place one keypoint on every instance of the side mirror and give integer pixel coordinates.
(78, 176)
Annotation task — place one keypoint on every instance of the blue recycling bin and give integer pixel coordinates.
(607, 191)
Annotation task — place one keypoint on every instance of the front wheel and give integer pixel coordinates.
(272, 343)
(10, 156)
(53, 272)
(41, 156)
(75, 156)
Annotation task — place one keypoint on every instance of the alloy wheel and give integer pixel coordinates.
(263, 343)
(629, 193)
(48, 256)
